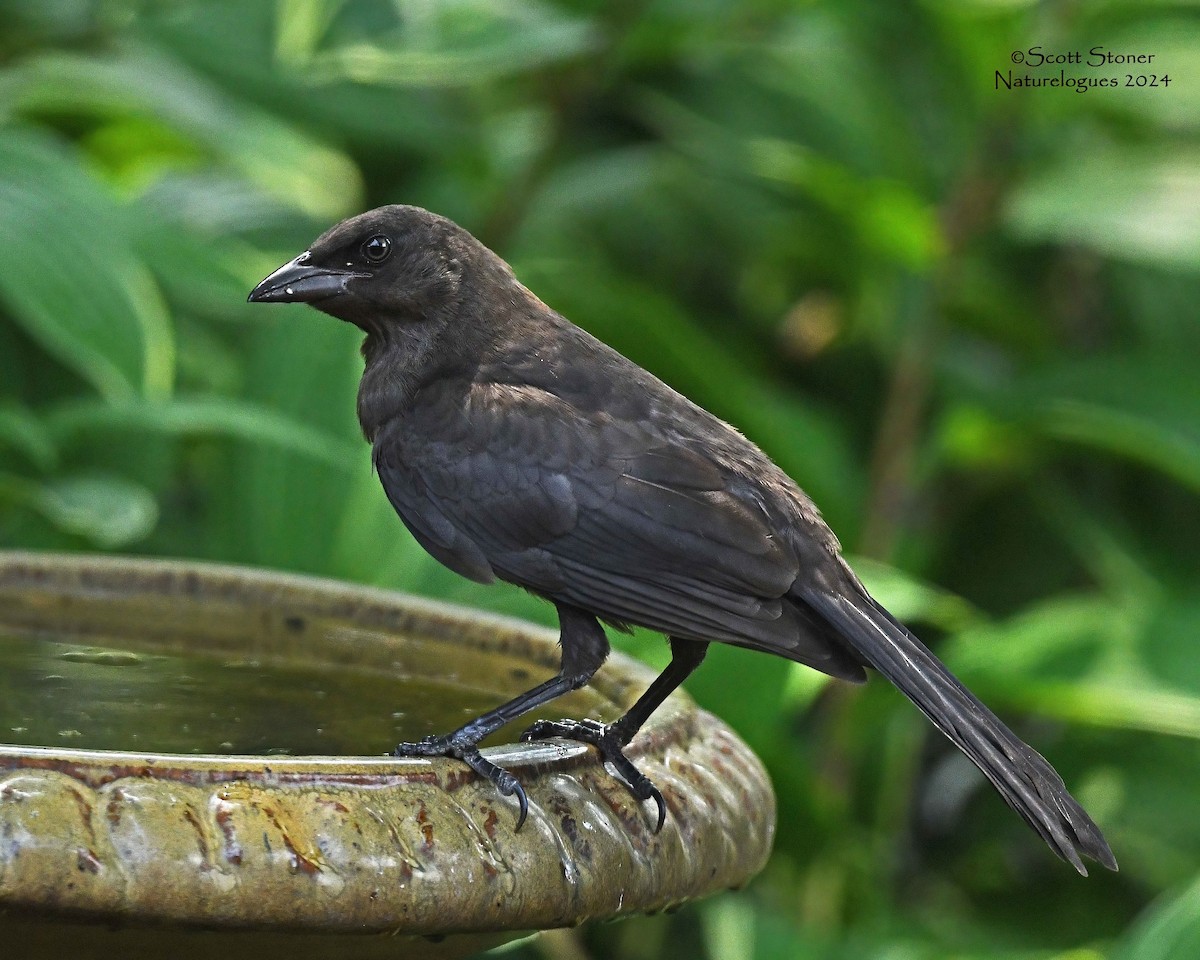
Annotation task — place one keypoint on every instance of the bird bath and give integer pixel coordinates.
(188, 773)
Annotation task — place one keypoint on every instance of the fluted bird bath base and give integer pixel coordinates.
(186, 778)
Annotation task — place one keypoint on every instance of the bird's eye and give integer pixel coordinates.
(377, 248)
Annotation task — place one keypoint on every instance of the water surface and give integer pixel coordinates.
(55, 692)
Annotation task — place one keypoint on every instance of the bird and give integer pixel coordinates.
(516, 446)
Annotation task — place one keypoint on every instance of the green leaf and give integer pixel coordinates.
(452, 44)
(1174, 43)
(1061, 638)
(1075, 658)
(1122, 705)
(1169, 930)
(1169, 642)
(889, 217)
(1172, 449)
(1141, 406)
(74, 284)
(200, 416)
(21, 430)
(282, 161)
(1134, 204)
(300, 25)
(110, 511)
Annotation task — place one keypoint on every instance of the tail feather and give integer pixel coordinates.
(1018, 772)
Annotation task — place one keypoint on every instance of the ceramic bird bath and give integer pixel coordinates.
(197, 763)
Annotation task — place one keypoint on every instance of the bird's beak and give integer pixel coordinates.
(300, 282)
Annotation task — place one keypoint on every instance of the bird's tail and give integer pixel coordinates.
(1022, 776)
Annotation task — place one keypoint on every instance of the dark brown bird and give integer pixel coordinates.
(515, 446)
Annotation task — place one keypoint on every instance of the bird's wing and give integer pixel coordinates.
(603, 513)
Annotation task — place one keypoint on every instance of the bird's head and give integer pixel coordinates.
(392, 265)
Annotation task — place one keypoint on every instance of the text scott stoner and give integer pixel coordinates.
(1096, 57)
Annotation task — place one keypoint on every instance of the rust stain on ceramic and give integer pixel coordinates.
(87, 861)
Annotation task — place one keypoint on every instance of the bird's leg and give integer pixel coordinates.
(611, 738)
(584, 649)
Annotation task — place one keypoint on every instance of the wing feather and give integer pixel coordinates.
(636, 527)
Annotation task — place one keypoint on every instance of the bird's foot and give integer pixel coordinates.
(608, 740)
(467, 750)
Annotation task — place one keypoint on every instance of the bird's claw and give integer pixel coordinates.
(501, 779)
(468, 753)
(607, 741)
(426, 747)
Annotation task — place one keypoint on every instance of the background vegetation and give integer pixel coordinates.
(963, 318)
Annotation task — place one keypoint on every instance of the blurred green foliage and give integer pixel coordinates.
(963, 317)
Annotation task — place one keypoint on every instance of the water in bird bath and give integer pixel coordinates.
(64, 691)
